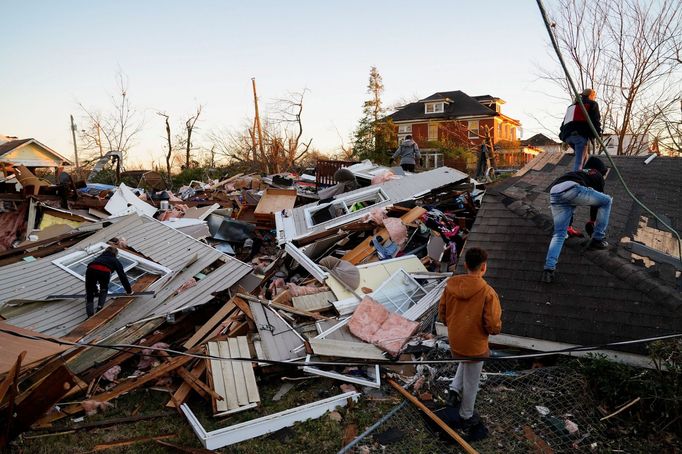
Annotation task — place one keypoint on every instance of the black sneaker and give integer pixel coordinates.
(547, 276)
(467, 424)
(597, 244)
(453, 399)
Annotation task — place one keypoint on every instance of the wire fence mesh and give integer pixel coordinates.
(542, 410)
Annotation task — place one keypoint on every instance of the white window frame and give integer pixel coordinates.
(345, 202)
(407, 300)
(405, 129)
(430, 128)
(96, 249)
(473, 132)
(434, 107)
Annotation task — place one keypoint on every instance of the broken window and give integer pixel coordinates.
(342, 206)
(399, 293)
(135, 267)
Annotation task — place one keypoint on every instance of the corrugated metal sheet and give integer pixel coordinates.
(34, 281)
(399, 190)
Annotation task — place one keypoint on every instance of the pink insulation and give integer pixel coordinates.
(396, 230)
(373, 323)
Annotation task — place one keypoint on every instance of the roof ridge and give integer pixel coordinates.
(636, 276)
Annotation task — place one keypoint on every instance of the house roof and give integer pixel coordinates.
(185, 256)
(462, 105)
(538, 140)
(14, 144)
(598, 296)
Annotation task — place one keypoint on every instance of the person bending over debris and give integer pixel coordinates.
(471, 310)
(408, 152)
(99, 273)
(584, 187)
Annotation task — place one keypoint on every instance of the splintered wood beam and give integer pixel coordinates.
(199, 386)
(283, 307)
(131, 441)
(182, 394)
(41, 398)
(9, 388)
(243, 306)
(109, 311)
(365, 249)
(123, 388)
(210, 325)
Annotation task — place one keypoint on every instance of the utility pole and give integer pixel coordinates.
(75, 145)
(257, 121)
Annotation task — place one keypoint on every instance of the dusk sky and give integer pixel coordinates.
(180, 54)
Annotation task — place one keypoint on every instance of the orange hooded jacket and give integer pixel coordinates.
(470, 308)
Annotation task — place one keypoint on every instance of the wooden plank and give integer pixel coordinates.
(200, 387)
(131, 441)
(10, 386)
(316, 302)
(365, 249)
(11, 377)
(217, 376)
(239, 372)
(228, 377)
(251, 386)
(345, 349)
(210, 325)
(467, 447)
(41, 398)
(243, 306)
(182, 394)
(124, 387)
(283, 307)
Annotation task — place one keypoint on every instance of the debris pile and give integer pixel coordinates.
(232, 280)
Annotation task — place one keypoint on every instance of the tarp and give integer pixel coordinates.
(124, 201)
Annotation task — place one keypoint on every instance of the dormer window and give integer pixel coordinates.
(434, 107)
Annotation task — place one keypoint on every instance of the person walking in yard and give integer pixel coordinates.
(98, 273)
(575, 130)
(584, 187)
(408, 152)
(471, 310)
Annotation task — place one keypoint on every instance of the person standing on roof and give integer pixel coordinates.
(471, 310)
(576, 131)
(99, 274)
(408, 152)
(584, 187)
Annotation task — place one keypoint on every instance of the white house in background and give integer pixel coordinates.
(633, 144)
(540, 142)
(30, 153)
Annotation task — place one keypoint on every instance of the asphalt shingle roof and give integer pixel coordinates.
(11, 145)
(462, 105)
(598, 296)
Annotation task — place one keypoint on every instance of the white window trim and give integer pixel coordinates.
(345, 201)
(438, 107)
(404, 129)
(388, 282)
(97, 248)
(470, 132)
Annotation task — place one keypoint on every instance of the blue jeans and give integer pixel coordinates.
(578, 143)
(563, 204)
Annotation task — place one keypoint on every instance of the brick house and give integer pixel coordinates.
(455, 117)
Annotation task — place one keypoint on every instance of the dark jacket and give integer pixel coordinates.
(592, 176)
(109, 260)
(575, 120)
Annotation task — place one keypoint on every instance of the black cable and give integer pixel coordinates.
(171, 352)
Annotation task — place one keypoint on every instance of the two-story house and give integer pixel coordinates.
(456, 118)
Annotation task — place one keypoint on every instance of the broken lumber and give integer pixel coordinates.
(10, 386)
(182, 394)
(365, 249)
(210, 325)
(283, 307)
(467, 447)
(131, 441)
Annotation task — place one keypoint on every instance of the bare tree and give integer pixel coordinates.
(189, 129)
(115, 130)
(169, 152)
(629, 52)
(282, 134)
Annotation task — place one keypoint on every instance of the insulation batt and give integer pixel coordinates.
(373, 323)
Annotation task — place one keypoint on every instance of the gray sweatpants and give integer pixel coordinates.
(465, 384)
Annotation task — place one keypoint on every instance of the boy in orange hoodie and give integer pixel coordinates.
(470, 308)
